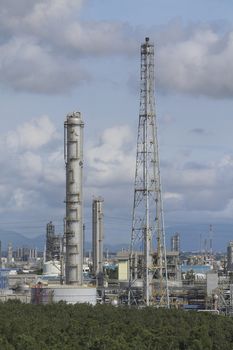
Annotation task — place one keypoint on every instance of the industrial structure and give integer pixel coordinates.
(97, 236)
(146, 274)
(175, 242)
(211, 239)
(26, 254)
(0, 253)
(147, 264)
(70, 289)
(73, 153)
(53, 243)
(230, 256)
(9, 254)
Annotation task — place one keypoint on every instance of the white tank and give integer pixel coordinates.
(69, 294)
(52, 268)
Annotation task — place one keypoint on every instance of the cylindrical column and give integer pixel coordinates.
(97, 235)
(74, 198)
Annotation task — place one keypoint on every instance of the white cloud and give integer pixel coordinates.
(44, 43)
(35, 176)
(197, 62)
(22, 199)
(113, 159)
(203, 189)
(32, 135)
(55, 172)
(29, 60)
(30, 165)
(190, 188)
(34, 169)
(37, 12)
(57, 24)
(25, 65)
(172, 195)
(100, 38)
(50, 10)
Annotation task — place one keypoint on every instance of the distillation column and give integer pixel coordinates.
(146, 263)
(73, 150)
(97, 235)
(9, 253)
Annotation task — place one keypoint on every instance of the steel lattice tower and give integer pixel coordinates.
(148, 264)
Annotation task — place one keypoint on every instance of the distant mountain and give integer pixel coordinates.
(112, 248)
(18, 240)
(116, 247)
(192, 236)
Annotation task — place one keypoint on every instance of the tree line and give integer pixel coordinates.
(104, 327)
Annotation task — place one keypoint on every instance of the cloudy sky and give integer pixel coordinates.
(57, 56)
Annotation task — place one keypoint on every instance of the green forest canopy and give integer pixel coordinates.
(82, 326)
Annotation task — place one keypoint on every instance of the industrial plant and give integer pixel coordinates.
(145, 274)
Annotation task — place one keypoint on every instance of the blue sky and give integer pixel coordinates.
(158, 12)
(57, 56)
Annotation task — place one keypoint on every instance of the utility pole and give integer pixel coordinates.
(148, 265)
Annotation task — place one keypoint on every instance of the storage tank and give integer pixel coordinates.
(52, 268)
(69, 294)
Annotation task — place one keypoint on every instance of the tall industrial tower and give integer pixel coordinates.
(147, 264)
(97, 235)
(53, 243)
(73, 151)
(175, 242)
(9, 253)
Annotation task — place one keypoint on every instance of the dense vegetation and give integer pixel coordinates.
(61, 326)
